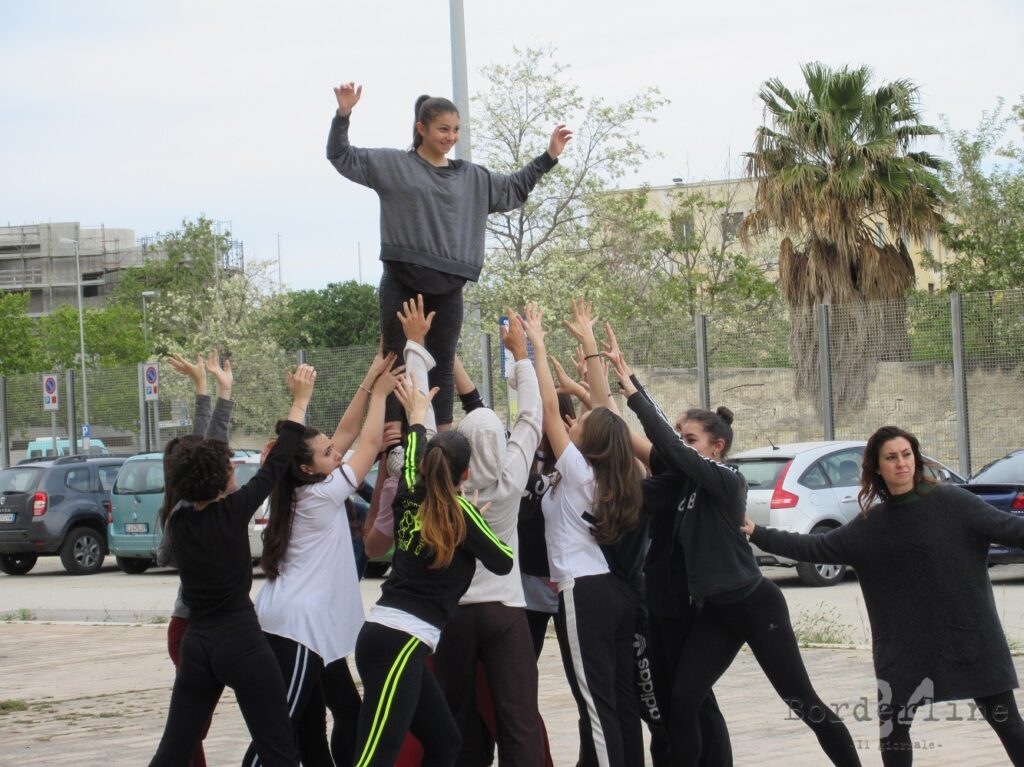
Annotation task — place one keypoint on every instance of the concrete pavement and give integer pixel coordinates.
(97, 693)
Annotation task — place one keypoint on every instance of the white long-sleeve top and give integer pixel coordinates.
(499, 469)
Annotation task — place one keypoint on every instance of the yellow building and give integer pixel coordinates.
(732, 199)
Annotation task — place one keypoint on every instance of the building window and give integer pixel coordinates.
(731, 225)
(931, 287)
(90, 291)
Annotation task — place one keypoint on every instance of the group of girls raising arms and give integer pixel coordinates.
(609, 525)
(630, 520)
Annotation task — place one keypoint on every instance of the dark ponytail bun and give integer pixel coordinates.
(725, 414)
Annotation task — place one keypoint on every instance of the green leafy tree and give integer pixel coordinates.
(340, 315)
(985, 229)
(19, 345)
(539, 252)
(113, 336)
(833, 162)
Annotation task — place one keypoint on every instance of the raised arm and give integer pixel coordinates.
(351, 162)
(466, 389)
(418, 361)
(225, 377)
(552, 419)
(627, 384)
(526, 431)
(582, 329)
(510, 192)
(371, 438)
(195, 371)
(988, 523)
(348, 426)
(493, 553)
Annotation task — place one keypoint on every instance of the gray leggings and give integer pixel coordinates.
(442, 340)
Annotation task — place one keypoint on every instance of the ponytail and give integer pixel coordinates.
(442, 522)
(278, 532)
(426, 109)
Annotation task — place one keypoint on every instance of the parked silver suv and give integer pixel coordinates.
(807, 487)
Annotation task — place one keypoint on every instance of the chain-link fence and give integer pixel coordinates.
(948, 368)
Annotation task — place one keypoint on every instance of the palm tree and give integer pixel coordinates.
(834, 162)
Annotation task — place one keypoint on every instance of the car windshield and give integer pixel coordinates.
(138, 477)
(760, 472)
(1005, 471)
(19, 480)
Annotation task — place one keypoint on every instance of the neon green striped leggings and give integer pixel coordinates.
(400, 695)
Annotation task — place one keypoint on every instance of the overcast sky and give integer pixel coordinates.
(142, 113)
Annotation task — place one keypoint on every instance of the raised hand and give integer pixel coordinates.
(610, 345)
(388, 379)
(533, 324)
(622, 372)
(223, 375)
(747, 528)
(194, 371)
(392, 433)
(560, 136)
(582, 326)
(413, 400)
(380, 362)
(415, 324)
(348, 95)
(300, 383)
(514, 336)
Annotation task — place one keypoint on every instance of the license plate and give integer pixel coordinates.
(135, 528)
(7, 516)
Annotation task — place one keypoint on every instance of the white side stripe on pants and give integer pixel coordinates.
(572, 634)
(294, 688)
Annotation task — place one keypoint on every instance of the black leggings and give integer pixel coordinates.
(300, 670)
(760, 619)
(400, 695)
(1000, 711)
(336, 691)
(442, 340)
(228, 651)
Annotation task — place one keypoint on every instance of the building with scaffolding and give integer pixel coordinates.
(39, 259)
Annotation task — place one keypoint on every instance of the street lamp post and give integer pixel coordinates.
(81, 341)
(145, 327)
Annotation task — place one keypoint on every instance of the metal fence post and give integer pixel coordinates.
(144, 441)
(963, 424)
(5, 440)
(487, 387)
(72, 416)
(700, 328)
(825, 373)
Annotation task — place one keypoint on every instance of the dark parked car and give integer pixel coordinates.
(1001, 484)
(58, 507)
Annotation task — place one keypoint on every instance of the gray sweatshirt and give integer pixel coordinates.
(429, 216)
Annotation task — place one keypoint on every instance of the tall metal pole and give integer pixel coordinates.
(828, 422)
(72, 419)
(5, 444)
(145, 329)
(700, 328)
(81, 341)
(963, 422)
(460, 80)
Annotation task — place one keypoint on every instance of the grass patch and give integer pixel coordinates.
(821, 625)
(23, 614)
(10, 705)
(160, 619)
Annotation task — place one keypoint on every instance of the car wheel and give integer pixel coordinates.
(83, 551)
(17, 564)
(819, 574)
(133, 565)
(375, 569)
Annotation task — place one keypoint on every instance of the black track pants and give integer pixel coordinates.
(227, 651)
(761, 620)
(300, 670)
(400, 695)
(594, 625)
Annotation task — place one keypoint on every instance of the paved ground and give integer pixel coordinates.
(97, 693)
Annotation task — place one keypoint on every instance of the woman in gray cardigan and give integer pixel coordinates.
(921, 557)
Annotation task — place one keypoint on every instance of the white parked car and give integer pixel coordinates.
(807, 487)
(244, 471)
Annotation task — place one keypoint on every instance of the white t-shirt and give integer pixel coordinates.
(573, 552)
(315, 601)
